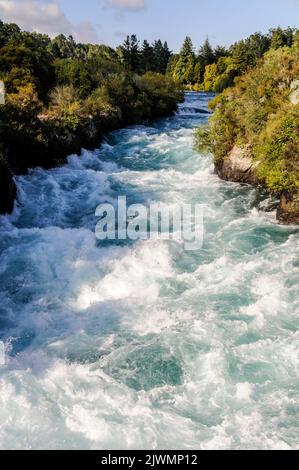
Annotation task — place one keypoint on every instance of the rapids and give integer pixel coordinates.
(144, 345)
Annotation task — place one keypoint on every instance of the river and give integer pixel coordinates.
(143, 345)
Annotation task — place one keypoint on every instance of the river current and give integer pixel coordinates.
(143, 345)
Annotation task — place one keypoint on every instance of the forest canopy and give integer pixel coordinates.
(260, 113)
(61, 95)
(214, 69)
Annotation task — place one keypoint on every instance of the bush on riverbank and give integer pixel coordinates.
(62, 96)
(259, 113)
(215, 69)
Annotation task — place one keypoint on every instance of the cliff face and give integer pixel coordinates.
(288, 211)
(240, 167)
(254, 130)
(8, 190)
(60, 145)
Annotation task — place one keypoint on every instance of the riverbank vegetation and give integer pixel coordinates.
(61, 96)
(215, 69)
(261, 111)
(259, 116)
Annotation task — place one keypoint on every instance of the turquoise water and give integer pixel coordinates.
(145, 345)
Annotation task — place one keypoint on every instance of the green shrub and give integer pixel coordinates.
(257, 112)
(65, 106)
(100, 106)
(203, 139)
(278, 153)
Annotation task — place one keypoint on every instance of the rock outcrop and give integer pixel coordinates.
(238, 166)
(288, 211)
(294, 96)
(8, 190)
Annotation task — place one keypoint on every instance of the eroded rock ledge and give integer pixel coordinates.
(288, 211)
(240, 167)
(8, 190)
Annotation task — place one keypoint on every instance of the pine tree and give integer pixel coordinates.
(197, 75)
(167, 56)
(62, 47)
(8, 32)
(184, 67)
(158, 55)
(172, 64)
(219, 52)
(130, 52)
(187, 49)
(162, 55)
(135, 55)
(189, 74)
(281, 37)
(206, 53)
(147, 56)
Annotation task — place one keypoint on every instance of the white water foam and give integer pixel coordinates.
(144, 345)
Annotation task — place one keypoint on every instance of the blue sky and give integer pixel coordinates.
(108, 21)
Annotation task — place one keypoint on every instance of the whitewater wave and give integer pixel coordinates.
(144, 345)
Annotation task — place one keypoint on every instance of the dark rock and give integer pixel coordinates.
(8, 190)
(238, 167)
(288, 211)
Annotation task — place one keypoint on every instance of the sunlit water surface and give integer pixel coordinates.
(145, 345)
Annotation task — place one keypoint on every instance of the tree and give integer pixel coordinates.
(197, 73)
(206, 54)
(187, 50)
(172, 64)
(205, 57)
(184, 68)
(258, 44)
(296, 39)
(76, 73)
(26, 60)
(147, 56)
(211, 76)
(61, 95)
(246, 53)
(62, 47)
(219, 52)
(281, 37)
(162, 55)
(8, 32)
(131, 53)
(166, 55)
(242, 57)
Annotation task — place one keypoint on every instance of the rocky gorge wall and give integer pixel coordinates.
(8, 190)
(240, 167)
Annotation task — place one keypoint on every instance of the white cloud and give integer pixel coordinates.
(46, 17)
(127, 4)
